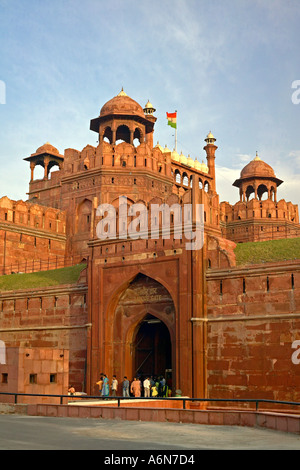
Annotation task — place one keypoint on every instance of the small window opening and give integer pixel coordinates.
(33, 378)
(53, 378)
(4, 378)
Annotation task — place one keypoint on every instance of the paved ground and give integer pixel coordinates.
(19, 432)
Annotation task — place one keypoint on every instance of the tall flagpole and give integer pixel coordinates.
(176, 133)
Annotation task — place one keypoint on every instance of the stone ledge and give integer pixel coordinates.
(275, 421)
(11, 408)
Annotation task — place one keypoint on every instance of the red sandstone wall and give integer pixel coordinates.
(253, 320)
(52, 319)
(259, 220)
(30, 233)
(39, 371)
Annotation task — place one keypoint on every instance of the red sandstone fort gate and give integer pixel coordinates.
(149, 305)
(138, 331)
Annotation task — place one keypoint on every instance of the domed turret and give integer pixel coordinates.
(257, 168)
(210, 149)
(47, 148)
(149, 109)
(175, 156)
(159, 147)
(197, 165)
(210, 138)
(257, 177)
(190, 162)
(182, 158)
(122, 104)
(46, 156)
(122, 118)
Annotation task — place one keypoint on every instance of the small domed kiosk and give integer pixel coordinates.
(257, 177)
(122, 118)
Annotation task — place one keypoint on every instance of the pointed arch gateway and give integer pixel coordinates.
(152, 348)
(142, 332)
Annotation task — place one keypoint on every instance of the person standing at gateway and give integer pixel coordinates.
(114, 386)
(100, 384)
(136, 387)
(125, 387)
(146, 385)
(105, 386)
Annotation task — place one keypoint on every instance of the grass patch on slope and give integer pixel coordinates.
(272, 250)
(54, 277)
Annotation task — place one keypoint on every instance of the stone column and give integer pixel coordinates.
(131, 136)
(46, 163)
(32, 167)
(113, 136)
(210, 155)
(269, 193)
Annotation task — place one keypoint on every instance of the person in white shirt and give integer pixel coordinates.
(114, 386)
(146, 385)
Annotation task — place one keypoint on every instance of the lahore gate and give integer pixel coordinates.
(146, 305)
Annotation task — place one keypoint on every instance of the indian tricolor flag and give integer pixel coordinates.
(172, 119)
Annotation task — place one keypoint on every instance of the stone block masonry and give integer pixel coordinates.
(55, 320)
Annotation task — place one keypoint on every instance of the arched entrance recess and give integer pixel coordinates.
(143, 330)
(152, 348)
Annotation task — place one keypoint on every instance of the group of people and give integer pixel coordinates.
(146, 387)
(103, 384)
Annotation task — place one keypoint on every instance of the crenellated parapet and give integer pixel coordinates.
(258, 215)
(29, 231)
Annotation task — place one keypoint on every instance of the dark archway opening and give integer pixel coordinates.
(123, 134)
(152, 348)
(107, 136)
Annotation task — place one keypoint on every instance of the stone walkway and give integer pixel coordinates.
(19, 432)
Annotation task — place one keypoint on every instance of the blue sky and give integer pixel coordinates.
(225, 66)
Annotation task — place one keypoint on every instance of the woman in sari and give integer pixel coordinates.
(105, 386)
(136, 387)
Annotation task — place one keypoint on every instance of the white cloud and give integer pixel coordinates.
(225, 177)
(295, 156)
